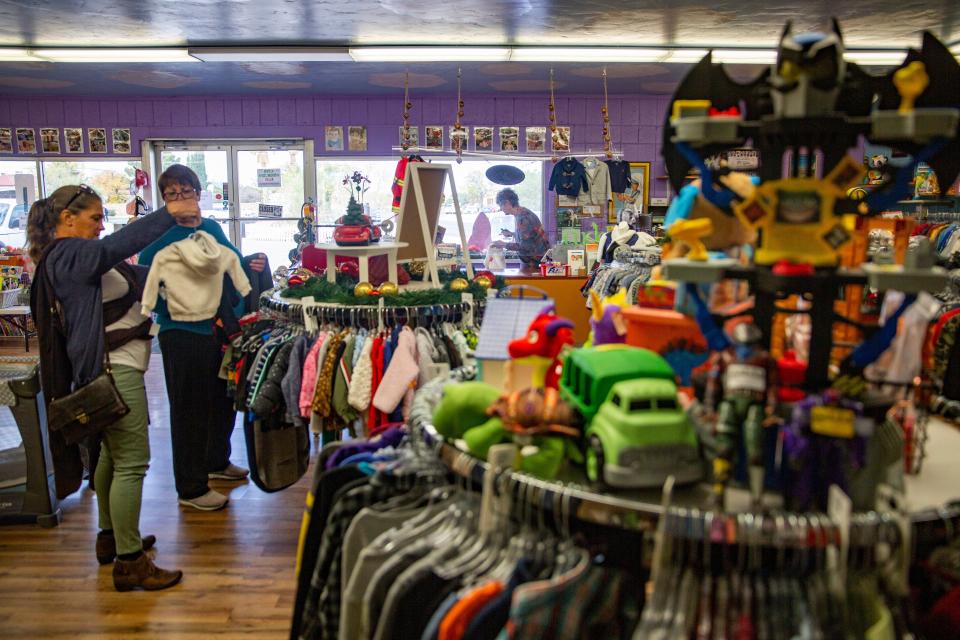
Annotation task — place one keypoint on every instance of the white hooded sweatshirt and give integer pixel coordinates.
(189, 275)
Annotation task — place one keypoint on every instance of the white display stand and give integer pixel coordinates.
(420, 213)
(363, 254)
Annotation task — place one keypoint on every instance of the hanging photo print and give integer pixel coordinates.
(74, 138)
(50, 140)
(121, 140)
(414, 140)
(509, 138)
(483, 138)
(358, 138)
(434, 136)
(98, 140)
(26, 141)
(458, 138)
(6, 140)
(333, 138)
(536, 139)
(561, 139)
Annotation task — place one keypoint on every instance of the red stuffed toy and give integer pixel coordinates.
(546, 337)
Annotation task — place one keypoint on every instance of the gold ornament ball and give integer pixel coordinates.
(483, 281)
(459, 284)
(363, 289)
(388, 289)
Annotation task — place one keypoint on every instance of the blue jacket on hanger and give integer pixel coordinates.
(569, 178)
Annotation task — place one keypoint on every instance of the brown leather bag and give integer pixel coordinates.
(88, 410)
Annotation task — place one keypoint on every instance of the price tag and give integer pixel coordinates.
(835, 422)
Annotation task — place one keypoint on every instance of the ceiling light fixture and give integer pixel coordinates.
(875, 58)
(588, 54)
(18, 55)
(430, 54)
(745, 56)
(271, 54)
(114, 55)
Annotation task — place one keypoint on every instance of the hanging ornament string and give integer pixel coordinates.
(605, 112)
(459, 137)
(407, 105)
(553, 121)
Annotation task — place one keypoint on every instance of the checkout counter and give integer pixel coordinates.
(565, 292)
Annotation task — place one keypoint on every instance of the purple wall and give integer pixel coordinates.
(634, 120)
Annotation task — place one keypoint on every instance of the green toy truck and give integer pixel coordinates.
(637, 434)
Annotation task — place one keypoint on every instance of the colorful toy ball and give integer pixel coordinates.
(459, 284)
(363, 289)
(388, 289)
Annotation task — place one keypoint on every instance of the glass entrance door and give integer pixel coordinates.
(254, 190)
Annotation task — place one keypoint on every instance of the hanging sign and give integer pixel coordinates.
(268, 177)
(270, 211)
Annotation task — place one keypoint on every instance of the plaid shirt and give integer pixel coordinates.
(531, 239)
(321, 613)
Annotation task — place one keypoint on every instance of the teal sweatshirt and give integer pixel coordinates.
(176, 234)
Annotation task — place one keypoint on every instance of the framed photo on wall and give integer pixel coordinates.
(98, 140)
(483, 138)
(74, 139)
(414, 137)
(50, 140)
(333, 138)
(357, 137)
(636, 199)
(434, 136)
(26, 140)
(121, 140)
(6, 140)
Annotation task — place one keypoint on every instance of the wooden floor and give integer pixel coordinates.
(238, 563)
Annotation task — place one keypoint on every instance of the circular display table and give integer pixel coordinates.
(363, 254)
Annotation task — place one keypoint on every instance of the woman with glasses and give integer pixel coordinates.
(202, 416)
(96, 295)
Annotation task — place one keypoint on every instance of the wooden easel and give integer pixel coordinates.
(420, 213)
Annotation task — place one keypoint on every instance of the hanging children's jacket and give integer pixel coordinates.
(293, 379)
(360, 385)
(568, 178)
(311, 368)
(402, 371)
(189, 274)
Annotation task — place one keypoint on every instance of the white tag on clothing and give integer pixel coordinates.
(745, 377)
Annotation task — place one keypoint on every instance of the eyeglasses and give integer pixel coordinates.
(186, 194)
(81, 189)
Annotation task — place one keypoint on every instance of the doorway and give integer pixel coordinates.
(254, 189)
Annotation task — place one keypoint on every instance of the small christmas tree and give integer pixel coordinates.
(354, 213)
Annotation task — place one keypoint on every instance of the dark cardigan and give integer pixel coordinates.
(72, 355)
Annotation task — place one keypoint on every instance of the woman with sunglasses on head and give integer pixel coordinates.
(202, 416)
(85, 300)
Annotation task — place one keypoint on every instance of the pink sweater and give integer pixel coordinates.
(311, 370)
(403, 371)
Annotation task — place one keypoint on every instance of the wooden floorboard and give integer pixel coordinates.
(238, 563)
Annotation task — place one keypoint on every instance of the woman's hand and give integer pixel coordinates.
(186, 212)
(258, 263)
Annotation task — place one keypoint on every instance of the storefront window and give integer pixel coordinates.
(18, 190)
(110, 178)
(477, 194)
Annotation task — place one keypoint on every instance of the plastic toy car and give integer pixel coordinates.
(352, 235)
(588, 374)
(640, 436)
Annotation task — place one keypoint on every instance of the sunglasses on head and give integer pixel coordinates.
(81, 189)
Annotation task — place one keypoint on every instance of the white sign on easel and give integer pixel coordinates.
(420, 212)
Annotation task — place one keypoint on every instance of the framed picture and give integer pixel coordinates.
(333, 138)
(358, 138)
(434, 138)
(414, 137)
(509, 139)
(50, 140)
(636, 199)
(98, 140)
(121, 140)
(561, 139)
(26, 141)
(568, 216)
(536, 139)
(74, 139)
(483, 138)
(6, 140)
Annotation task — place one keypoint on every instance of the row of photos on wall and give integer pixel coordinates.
(534, 139)
(50, 139)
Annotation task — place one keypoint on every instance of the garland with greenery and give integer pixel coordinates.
(341, 292)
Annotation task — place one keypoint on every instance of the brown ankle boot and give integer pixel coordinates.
(142, 573)
(107, 546)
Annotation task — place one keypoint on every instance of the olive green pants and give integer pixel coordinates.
(124, 458)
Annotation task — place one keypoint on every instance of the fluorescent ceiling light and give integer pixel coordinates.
(879, 58)
(685, 55)
(271, 54)
(18, 55)
(430, 54)
(745, 56)
(588, 54)
(88, 55)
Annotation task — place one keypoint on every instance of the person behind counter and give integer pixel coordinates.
(530, 240)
